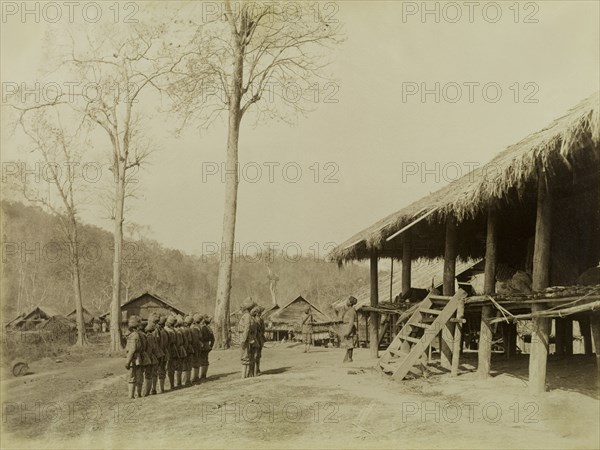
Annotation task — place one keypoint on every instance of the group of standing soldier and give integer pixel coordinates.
(175, 347)
(251, 329)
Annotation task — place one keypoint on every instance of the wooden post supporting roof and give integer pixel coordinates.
(595, 329)
(449, 281)
(568, 336)
(374, 323)
(485, 332)
(586, 332)
(541, 279)
(460, 312)
(559, 336)
(406, 262)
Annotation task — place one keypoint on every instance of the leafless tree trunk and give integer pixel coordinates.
(55, 148)
(265, 48)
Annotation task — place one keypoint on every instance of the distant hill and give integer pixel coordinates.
(35, 270)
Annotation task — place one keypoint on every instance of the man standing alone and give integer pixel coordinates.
(307, 329)
(349, 333)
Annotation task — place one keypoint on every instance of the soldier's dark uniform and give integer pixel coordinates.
(247, 331)
(173, 355)
(162, 338)
(195, 328)
(256, 345)
(146, 361)
(261, 339)
(189, 348)
(182, 360)
(151, 371)
(134, 356)
(208, 340)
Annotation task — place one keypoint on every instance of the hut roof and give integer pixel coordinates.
(572, 138)
(134, 299)
(424, 272)
(292, 312)
(89, 313)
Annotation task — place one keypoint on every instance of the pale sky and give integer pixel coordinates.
(371, 131)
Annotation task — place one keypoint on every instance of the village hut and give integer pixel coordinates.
(92, 318)
(285, 322)
(533, 209)
(142, 306)
(31, 320)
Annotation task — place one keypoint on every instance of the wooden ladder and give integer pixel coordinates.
(418, 333)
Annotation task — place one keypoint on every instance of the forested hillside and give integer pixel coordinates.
(35, 270)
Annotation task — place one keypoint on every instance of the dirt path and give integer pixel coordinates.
(301, 400)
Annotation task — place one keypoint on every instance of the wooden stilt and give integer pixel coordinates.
(449, 280)
(586, 332)
(559, 337)
(391, 280)
(374, 325)
(595, 325)
(406, 262)
(485, 331)
(506, 339)
(513, 340)
(568, 337)
(541, 280)
(460, 312)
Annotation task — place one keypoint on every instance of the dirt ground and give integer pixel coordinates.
(301, 400)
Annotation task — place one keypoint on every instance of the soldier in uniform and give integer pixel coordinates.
(162, 339)
(134, 355)
(183, 359)
(151, 370)
(146, 361)
(208, 341)
(189, 348)
(307, 328)
(260, 338)
(349, 335)
(196, 328)
(173, 354)
(247, 331)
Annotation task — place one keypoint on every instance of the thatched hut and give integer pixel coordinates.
(33, 318)
(285, 322)
(533, 208)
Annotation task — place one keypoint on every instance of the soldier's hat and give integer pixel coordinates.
(188, 320)
(255, 310)
(248, 303)
(150, 326)
(352, 300)
(171, 320)
(162, 320)
(197, 318)
(134, 321)
(207, 318)
(179, 320)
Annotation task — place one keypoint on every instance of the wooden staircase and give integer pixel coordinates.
(412, 341)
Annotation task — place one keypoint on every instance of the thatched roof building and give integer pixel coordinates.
(90, 315)
(34, 317)
(533, 210)
(569, 144)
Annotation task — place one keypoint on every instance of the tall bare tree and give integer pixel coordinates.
(60, 155)
(264, 57)
(124, 64)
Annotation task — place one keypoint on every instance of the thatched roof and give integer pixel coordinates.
(292, 313)
(571, 141)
